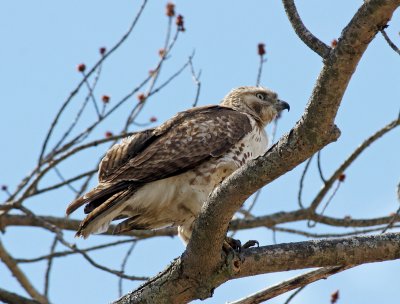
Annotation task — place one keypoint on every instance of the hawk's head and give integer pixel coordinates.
(261, 103)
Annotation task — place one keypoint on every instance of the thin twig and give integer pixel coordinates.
(48, 268)
(60, 238)
(260, 69)
(123, 265)
(79, 113)
(63, 180)
(338, 183)
(321, 175)
(329, 182)
(291, 297)
(274, 129)
(196, 80)
(395, 216)
(390, 42)
(304, 34)
(76, 90)
(328, 235)
(60, 254)
(91, 96)
(301, 183)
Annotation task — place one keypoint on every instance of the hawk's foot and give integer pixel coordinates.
(250, 243)
(236, 245)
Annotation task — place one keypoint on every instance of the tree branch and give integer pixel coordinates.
(69, 224)
(390, 42)
(20, 276)
(13, 298)
(332, 253)
(320, 253)
(201, 268)
(304, 34)
(293, 283)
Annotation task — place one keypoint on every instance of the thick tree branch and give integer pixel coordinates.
(304, 34)
(331, 253)
(320, 253)
(201, 267)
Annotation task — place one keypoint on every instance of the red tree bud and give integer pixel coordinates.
(342, 177)
(81, 67)
(153, 119)
(334, 43)
(334, 297)
(141, 97)
(105, 98)
(102, 50)
(108, 134)
(180, 23)
(261, 49)
(161, 52)
(170, 9)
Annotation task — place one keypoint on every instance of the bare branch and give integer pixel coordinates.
(293, 283)
(76, 90)
(294, 294)
(301, 183)
(69, 224)
(201, 267)
(351, 159)
(329, 235)
(48, 269)
(342, 252)
(70, 252)
(390, 42)
(321, 175)
(196, 80)
(123, 265)
(304, 34)
(304, 214)
(320, 253)
(9, 261)
(330, 198)
(13, 298)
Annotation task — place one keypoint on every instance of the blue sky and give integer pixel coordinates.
(42, 45)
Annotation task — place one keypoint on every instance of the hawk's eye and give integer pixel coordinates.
(260, 96)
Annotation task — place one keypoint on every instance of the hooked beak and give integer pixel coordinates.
(282, 105)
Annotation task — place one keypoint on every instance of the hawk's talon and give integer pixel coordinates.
(232, 244)
(236, 245)
(250, 243)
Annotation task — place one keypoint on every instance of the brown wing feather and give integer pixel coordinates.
(120, 153)
(184, 142)
(181, 143)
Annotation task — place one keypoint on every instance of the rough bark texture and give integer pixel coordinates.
(203, 267)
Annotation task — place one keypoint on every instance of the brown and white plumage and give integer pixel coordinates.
(161, 177)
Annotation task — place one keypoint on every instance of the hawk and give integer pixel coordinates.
(162, 176)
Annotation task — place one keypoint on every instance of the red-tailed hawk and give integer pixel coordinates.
(161, 177)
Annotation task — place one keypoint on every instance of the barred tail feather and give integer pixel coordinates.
(98, 220)
(96, 196)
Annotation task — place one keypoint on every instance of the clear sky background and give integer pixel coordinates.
(43, 41)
